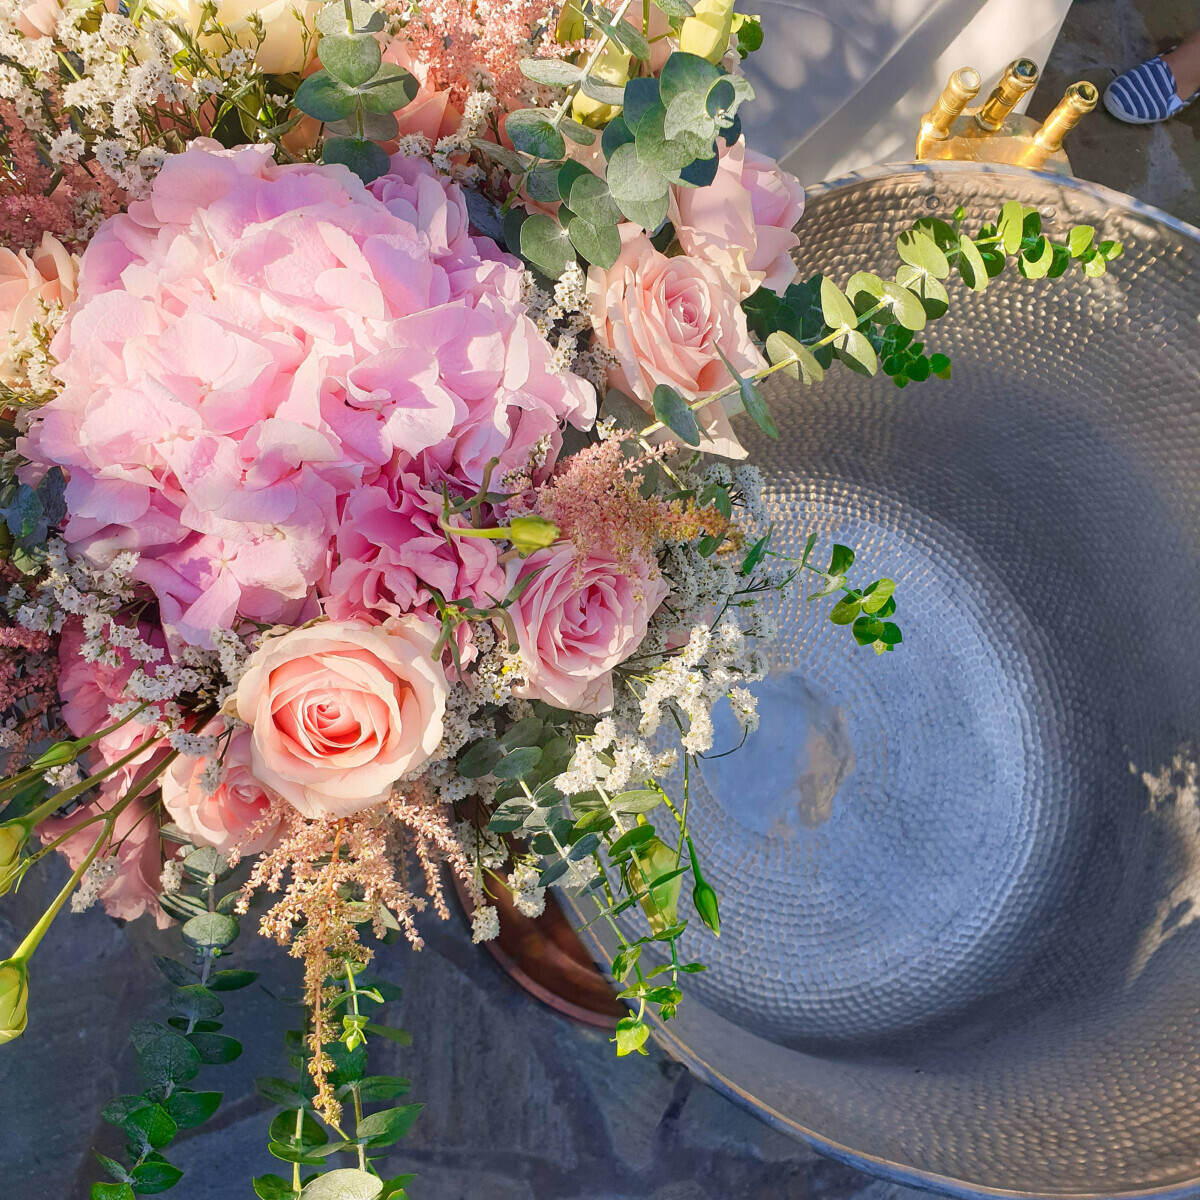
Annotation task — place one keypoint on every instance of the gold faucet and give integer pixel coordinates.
(993, 132)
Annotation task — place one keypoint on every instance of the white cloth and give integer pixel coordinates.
(842, 84)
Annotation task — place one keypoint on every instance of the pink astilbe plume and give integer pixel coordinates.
(29, 207)
(28, 685)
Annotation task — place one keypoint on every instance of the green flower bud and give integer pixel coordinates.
(14, 998)
(12, 838)
(528, 534)
(705, 899)
(57, 755)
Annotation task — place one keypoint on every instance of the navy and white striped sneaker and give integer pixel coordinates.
(1145, 95)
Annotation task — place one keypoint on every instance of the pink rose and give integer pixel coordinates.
(341, 710)
(579, 618)
(664, 319)
(29, 284)
(743, 221)
(224, 819)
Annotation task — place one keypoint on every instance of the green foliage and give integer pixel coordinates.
(29, 514)
(300, 1137)
(172, 1055)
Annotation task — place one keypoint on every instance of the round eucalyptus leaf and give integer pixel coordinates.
(554, 72)
(640, 191)
(655, 149)
(529, 130)
(541, 184)
(918, 249)
(389, 91)
(324, 97)
(352, 58)
(344, 1184)
(211, 930)
(571, 171)
(598, 244)
(856, 352)
(591, 199)
(906, 308)
(366, 159)
(971, 265)
(331, 20)
(720, 96)
(616, 133)
(378, 127)
(606, 93)
(580, 134)
(702, 172)
(836, 309)
(672, 410)
(686, 73)
(641, 95)
(546, 245)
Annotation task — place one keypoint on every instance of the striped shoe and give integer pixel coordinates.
(1145, 95)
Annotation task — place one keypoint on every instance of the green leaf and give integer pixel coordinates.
(633, 838)
(230, 981)
(331, 20)
(867, 630)
(389, 91)
(926, 288)
(387, 1126)
(367, 160)
(891, 635)
(836, 309)
(518, 763)
(480, 759)
(597, 244)
(1035, 262)
(781, 346)
(846, 609)
(118, 1110)
(918, 249)
(579, 134)
(640, 801)
(343, 1185)
(623, 34)
(877, 595)
(616, 133)
(940, 365)
(605, 93)
(400, 1036)
(167, 1057)
(382, 1087)
(688, 122)
(641, 95)
(204, 862)
(855, 350)
(211, 930)
(590, 198)
(672, 410)
(554, 872)
(112, 1191)
(639, 190)
(273, 1187)
(655, 149)
(541, 184)
(153, 1177)
(631, 1036)
(312, 1133)
(918, 369)
(215, 1047)
(1079, 240)
(151, 1126)
(686, 73)
(114, 1168)
(1109, 250)
(755, 404)
(841, 559)
(680, 10)
(175, 971)
(546, 245)
(189, 1109)
(1012, 217)
(350, 58)
(278, 1091)
(393, 1189)
(196, 1003)
(1093, 267)
(324, 97)
(554, 72)
(905, 306)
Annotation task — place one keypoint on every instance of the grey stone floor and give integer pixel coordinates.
(521, 1104)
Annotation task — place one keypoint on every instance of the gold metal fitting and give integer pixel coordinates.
(1019, 77)
(1078, 100)
(961, 88)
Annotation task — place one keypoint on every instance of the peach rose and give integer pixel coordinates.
(341, 710)
(429, 112)
(224, 818)
(29, 283)
(579, 618)
(743, 221)
(664, 319)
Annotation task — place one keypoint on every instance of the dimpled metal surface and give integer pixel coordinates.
(957, 943)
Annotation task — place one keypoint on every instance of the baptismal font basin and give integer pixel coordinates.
(960, 882)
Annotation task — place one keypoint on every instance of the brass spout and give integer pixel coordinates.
(1019, 77)
(961, 88)
(1078, 100)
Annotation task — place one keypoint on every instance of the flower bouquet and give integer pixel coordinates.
(372, 502)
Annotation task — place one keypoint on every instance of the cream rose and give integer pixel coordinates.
(225, 818)
(283, 47)
(340, 710)
(30, 283)
(664, 319)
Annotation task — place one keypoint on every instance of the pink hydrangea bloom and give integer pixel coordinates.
(580, 617)
(743, 222)
(254, 342)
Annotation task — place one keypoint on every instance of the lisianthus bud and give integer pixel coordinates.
(12, 838)
(661, 906)
(707, 33)
(611, 67)
(14, 998)
(704, 895)
(57, 755)
(528, 534)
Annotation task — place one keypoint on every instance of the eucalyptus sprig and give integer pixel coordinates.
(171, 1055)
(301, 1137)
